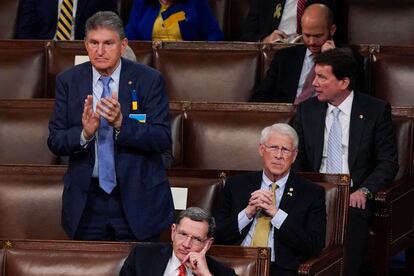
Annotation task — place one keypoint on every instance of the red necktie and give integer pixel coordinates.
(299, 13)
(181, 270)
(308, 88)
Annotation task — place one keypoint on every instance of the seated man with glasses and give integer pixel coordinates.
(274, 208)
(191, 236)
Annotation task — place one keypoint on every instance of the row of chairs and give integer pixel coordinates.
(389, 22)
(197, 71)
(30, 202)
(225, 136)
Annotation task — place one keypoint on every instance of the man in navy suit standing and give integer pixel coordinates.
(38, 19)
(343, 131)
(111, 117)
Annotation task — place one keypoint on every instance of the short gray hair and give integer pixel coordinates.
(280, 128)
(199, 214)
(107, 20)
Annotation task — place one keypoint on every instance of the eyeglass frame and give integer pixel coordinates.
(193, 240)
(282, 150)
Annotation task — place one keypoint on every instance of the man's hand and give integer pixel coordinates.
(90, 120)
(110, 109)
(357, 200)
(260, 200)
(329, 44)
(196, 261)
(276, 34)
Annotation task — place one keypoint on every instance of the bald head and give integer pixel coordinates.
(317, 26)
(318, 14)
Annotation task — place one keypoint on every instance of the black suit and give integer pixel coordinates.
(260, 21)
(152, 259)
(372, 153)
(301, 235)
(282, 78)
(38, 18)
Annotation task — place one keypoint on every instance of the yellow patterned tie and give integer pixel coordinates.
(65, 21)
(262, 229)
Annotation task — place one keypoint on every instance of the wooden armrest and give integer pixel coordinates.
(329, 260)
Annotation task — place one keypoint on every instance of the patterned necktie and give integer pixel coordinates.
(181, 270)
(262, 229)
(334, 158)
(307, 89)
(106, 162)
(299, 12)
(65, 21)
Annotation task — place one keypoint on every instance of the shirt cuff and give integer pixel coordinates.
(83, 141)
(243, 220)
(279, 218)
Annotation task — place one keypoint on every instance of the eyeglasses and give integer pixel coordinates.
(276, 149)
(193, 240)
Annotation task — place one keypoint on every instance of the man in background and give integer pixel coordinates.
(58, 19)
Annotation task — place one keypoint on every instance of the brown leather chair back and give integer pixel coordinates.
(30, 202)
(9, 14)
(404, 132)
(24, 132)
(176, 135)
(1, 261)
(336, 200)
(22, 68)
(392, 77)
(380, 22)
(218, 75)
(82, 258)
(227, 137)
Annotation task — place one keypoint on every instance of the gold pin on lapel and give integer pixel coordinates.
(361, 116)
(278, 11)
(129, 82)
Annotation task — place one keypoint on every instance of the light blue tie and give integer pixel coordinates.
(106, 162)
(334, 162)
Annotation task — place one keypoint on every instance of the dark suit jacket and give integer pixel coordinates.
(260, 22)
(282, 78)
(145, 192)
(38, 18)
(152, 259)
(372, 158)
(302, 233)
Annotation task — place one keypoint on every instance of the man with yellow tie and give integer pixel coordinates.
(58, 19)
(274, 208)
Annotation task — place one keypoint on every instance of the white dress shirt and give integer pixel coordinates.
(276, 221)
(173, 265)
(344, 118)
(288, 22)
(97, 87)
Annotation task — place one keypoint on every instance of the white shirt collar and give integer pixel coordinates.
(281, 182)
(345, 106)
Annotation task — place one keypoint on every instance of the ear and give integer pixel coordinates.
(345, 83)
(173, 230)
(295, 154)
(261, 149)
(332, 30)
(124, 44)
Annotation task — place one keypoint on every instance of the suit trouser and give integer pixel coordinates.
(103, 217)
(357, 236)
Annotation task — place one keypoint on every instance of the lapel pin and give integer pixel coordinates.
(129, 82)
(290, 189)
(361, 116)
(289, 193)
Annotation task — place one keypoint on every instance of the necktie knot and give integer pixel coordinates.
(336, 112)
(106, 89)
(274, 187)
(105, 80)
